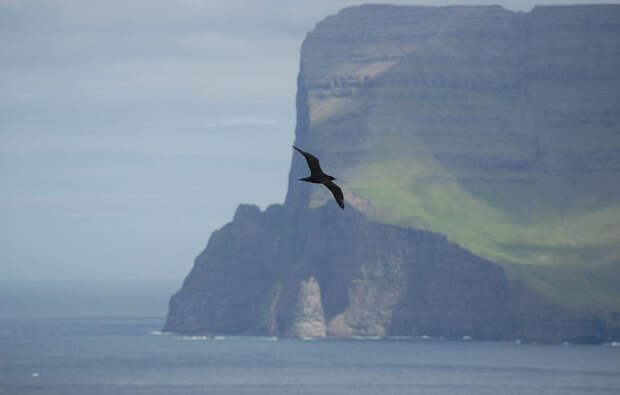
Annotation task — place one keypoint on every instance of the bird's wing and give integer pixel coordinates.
(336, 191)
(313, 162)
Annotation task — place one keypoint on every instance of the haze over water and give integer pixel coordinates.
(129, 356)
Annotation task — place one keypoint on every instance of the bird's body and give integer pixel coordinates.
(320, 180)
(318, 177)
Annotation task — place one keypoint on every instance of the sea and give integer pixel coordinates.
(130, 355)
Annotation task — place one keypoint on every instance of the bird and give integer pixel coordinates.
(318, 177)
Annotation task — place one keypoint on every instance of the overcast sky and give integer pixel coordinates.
(130, 130)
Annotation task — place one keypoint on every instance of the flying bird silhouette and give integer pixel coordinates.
(318, 177)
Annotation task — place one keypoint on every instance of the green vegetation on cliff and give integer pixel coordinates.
(487, 126)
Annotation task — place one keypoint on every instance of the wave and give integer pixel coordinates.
(159, 333)
(367, 337)
(196, 337)
(227, 338)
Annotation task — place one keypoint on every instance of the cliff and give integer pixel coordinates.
(478, 150)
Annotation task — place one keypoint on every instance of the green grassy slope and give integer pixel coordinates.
(558, 233)
(525, 178)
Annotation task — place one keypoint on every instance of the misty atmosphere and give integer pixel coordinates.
(167, 227)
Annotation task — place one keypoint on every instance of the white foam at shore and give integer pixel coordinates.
(196, 338)
(159, 333)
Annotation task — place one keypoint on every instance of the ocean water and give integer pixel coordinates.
(129, 356)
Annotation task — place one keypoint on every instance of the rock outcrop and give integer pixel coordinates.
(320, 272)
(309, 318)
(457, 138)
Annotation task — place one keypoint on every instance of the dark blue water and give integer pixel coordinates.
(125, 356)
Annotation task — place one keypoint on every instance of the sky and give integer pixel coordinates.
(130, 130)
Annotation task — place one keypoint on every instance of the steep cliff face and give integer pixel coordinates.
(497, 129)
(478, 153)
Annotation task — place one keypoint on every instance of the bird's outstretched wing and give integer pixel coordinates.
(336, 191)
(313, 162)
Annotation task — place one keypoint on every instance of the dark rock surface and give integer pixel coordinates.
(375, 280)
